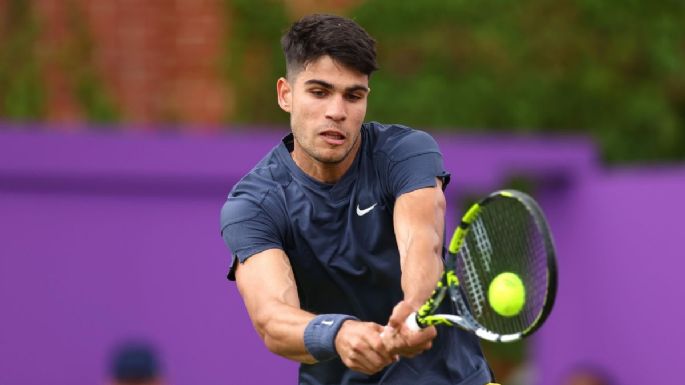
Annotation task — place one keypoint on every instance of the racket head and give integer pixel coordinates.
(504, 233)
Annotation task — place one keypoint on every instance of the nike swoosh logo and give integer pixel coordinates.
(363, 212)
(327, 322)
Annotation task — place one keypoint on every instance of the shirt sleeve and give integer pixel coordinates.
(247, 230)
(414, 162)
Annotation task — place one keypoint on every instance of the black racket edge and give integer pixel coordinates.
(552, 272)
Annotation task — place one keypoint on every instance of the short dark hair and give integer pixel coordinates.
(317, 35)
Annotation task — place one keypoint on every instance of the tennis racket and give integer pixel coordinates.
(503, 237)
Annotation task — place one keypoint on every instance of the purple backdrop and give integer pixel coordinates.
(110, 236)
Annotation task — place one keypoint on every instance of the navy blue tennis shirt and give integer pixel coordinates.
(342, 247)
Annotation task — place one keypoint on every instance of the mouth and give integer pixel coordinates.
(333, 137)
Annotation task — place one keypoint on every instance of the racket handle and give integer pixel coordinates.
(412, 323)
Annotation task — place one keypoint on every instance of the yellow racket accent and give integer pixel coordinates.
(457, 240)
(435, 320)
(452, 279)
(460, 233)
(473, 211)
(428, 307)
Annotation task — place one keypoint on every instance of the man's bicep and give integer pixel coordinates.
(264, 279)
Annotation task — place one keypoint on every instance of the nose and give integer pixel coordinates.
(336, 109)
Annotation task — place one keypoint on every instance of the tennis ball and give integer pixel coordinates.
(507, 294)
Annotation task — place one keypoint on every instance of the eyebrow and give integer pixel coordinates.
(327, 85)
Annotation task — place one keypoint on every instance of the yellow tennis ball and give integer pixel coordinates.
(507, 294)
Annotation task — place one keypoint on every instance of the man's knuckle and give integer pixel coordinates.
(356, 345)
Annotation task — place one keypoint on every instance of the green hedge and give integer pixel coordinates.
(612, 69)
(21, 90)
(22, 87)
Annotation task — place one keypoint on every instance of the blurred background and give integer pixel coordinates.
(124, 124)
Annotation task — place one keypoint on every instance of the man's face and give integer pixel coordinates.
(327, 105)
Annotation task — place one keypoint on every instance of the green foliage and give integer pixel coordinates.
(77, 61)
(253, 59)
(21, 91)
(612, 69)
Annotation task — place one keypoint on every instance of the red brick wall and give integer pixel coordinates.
(156, 60)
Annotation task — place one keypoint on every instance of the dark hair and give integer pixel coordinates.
(314, 36)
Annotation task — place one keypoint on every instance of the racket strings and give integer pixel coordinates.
(504, 238)
(475, 289)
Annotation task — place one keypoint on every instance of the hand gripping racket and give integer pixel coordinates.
(500, 272)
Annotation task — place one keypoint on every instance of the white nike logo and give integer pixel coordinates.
(327, 322)
(361, 212)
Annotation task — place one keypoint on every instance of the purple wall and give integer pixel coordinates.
(108, 236)
(620, 237)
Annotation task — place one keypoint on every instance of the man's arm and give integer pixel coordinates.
(267, 285)
(419, 218)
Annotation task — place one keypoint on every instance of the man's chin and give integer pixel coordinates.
(331, 157)
(331, 160)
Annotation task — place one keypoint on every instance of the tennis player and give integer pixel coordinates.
(337, 233)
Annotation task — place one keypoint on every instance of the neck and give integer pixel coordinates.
(324, 172)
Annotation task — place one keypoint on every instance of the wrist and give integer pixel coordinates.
(414, 303)
(320, 334)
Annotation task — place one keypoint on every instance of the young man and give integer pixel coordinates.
(339, 229)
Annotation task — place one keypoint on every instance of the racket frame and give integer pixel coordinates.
(449, 282)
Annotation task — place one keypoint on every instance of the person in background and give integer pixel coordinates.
(588, 374)
(135, 363)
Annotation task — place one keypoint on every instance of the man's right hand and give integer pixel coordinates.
(360, 347)
(400, 340)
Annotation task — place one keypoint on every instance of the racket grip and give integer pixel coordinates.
(412, 323)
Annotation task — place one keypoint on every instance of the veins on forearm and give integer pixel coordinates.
(290, 290)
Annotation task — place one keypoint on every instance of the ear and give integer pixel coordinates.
(285, 94)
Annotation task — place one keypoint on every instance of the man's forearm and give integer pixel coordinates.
(273, 304)
(422, 266)
(419, 223)
(303, 337)
(282, 330)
